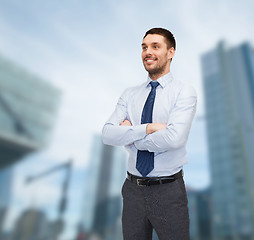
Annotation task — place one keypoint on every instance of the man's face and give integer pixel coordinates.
(155, 54)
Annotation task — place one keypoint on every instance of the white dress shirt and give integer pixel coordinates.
(174, 105)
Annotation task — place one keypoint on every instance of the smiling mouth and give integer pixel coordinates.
(150, 60)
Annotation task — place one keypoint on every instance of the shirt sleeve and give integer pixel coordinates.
(116, 135)
(178, 127)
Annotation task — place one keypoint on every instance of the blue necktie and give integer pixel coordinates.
(145, 159)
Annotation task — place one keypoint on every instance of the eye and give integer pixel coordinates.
(144, 47)
(156, 47)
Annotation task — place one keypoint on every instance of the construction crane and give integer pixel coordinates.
(59, 224)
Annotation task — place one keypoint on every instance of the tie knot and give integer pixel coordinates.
(154, 84)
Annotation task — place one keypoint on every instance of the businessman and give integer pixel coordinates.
(152, 121)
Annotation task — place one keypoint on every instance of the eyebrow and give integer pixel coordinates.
(154, 43)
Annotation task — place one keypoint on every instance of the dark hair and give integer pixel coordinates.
(170, 40)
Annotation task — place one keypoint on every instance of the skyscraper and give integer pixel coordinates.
(105, 175)
(228, 79)
(200, 214)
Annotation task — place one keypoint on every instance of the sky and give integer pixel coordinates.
(91, 51)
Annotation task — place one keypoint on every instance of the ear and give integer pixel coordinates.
(171, 53)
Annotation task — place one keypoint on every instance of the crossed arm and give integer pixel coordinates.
(150, 127)
(154, 137)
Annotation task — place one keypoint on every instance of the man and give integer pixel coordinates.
(153, 121)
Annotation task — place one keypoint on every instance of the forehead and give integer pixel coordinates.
(154, 38)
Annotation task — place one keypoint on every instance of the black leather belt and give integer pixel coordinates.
(148, 181)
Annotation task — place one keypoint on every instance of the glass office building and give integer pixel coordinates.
(199, 203)
(102, 201)
(28, 107)
(228, 80)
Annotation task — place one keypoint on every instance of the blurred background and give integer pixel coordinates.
(63, 66)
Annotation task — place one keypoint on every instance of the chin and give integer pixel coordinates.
(150, 69)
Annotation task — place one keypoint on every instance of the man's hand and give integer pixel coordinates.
(154, 127)
(126, 123)
(150, 128)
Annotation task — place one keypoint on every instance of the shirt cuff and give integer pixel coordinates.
(139, 132)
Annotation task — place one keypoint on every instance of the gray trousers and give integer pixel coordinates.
(163, 208)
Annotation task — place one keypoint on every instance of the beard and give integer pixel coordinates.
(156, 70)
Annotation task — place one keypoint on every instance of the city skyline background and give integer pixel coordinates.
(91, 52)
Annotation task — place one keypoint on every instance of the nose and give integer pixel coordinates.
(148, 54)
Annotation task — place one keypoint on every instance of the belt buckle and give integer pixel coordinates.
(139, 182)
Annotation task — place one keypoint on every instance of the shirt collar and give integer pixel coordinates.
(163, 81)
